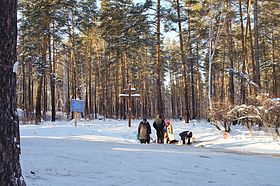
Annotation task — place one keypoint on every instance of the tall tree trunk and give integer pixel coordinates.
(191, 61)
(10, 170)
(222, 98)
(274, 82)
(32, 100)
(160, 106)
(248, 27)
(186, 112)
(52, 72)
(39, 100)
(123, 105)
(45, 47)
(230, 54)
(90, 80)
(198, 82)
(95, 89)
(73, 59)
(179, 105)
(243, 89)
(45, 95)
(256, 44)
(86, 110)
(214, 90)
(66, 86)
(42, 82)
(117, 104)
(30, 107)
(24, 102)
(172, 96)
(210, 57)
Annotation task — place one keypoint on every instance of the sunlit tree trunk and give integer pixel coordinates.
(87, 61)
(198, 82)
(90, 81)
(249, 43)
(193, 103)
(222, 97)
(243, 89)
(230, 54)
(45, 95)
(172, 95)
(24, 102)
(160, 103)
(274, 84)
(186, 112)
(256, 44)
(30, 108)
(52, 77)
(123, 105)
(42, 78)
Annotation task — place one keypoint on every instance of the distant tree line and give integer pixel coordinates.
(226, 52)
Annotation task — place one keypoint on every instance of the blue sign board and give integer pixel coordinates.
(77, 105)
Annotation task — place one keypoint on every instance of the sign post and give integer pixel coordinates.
(129, 95)
(77, 106)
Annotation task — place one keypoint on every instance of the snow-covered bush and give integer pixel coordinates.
(218, 116)
(261, 111)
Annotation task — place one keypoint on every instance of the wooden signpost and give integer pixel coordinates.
(129, 95)
(77, 106)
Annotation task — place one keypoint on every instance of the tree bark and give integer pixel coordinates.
(90, 81)
(230, 56)
(38, 101)
(256, 44)
(186, 112)
(86, 100)
(274, 83)
(248, 27)
(222, 98)
(191, 63)
(117, 104)
(242, 90)
(10, 170)
(160, 106)
(24, 103)
(52, 72)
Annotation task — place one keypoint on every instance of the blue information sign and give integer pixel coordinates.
(77, 105)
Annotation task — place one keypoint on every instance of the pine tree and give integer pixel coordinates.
(10, 170)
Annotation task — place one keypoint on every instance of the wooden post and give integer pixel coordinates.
(76, 106)
(75, 118)
(129, 96)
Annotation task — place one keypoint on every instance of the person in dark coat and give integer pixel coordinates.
(159, 125)
(186, 135)
(144, 131)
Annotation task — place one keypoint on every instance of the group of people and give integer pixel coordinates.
(164, 132)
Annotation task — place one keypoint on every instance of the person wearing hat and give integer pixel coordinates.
(169, 132)
(144, 131)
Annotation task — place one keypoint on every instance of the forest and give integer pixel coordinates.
(187, 60)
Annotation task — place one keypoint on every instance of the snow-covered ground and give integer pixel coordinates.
(107, 153)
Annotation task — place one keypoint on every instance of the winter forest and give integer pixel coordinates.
(183, 59)
(219, 61)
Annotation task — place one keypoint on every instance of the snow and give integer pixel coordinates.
(132, 95)
(276, 99)
(107, 153)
